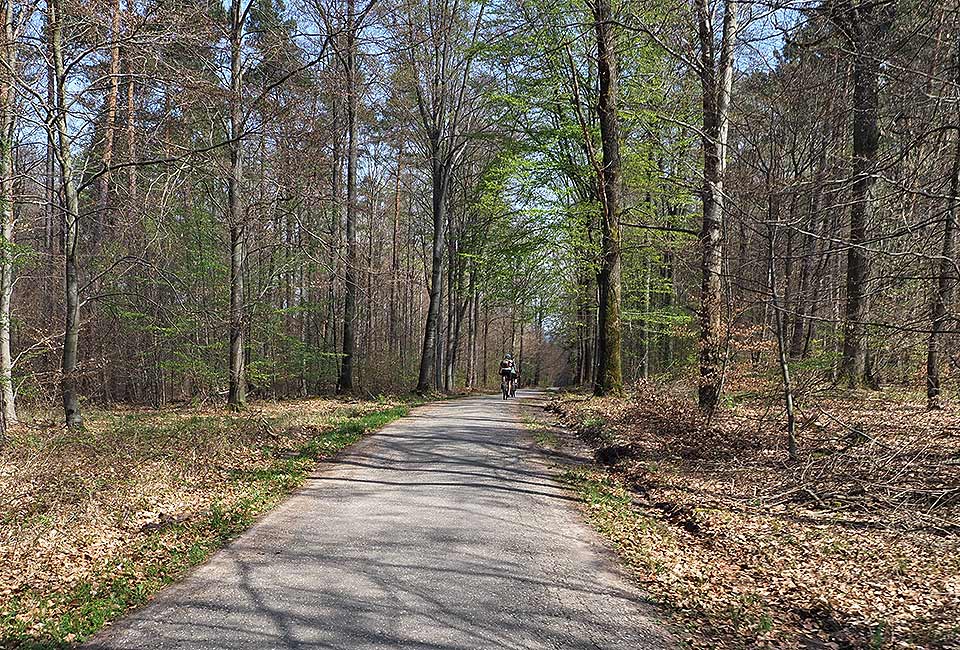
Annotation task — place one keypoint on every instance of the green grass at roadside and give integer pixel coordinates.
(542, 434)
(609, 509)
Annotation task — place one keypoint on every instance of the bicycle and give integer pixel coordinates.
(505, 386)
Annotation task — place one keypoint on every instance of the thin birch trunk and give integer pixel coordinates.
(8, 408)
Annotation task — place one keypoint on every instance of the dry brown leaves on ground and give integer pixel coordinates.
(855, 545)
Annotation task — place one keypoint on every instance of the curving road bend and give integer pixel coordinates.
(439, 532)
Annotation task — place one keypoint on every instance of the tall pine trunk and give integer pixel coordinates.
(103, 183)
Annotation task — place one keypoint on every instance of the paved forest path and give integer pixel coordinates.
(438, 532)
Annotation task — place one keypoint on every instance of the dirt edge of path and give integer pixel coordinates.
(560, 450)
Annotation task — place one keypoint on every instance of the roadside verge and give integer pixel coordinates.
(725, 540)
(95, 521)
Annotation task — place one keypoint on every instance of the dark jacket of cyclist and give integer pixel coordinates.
(507, 367)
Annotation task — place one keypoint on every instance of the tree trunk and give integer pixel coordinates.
(460, 311)
(471, 332)
(537, 375)
(717, 82)
(581, 343)
(943, 294)
(609, 378)
(474, 351)
(131, 132)
(51, 207)
(866, 136)
(804, 291)
(237, 397)
(453, 292)
(590, 335)
(71, 214)
(520, 365)
(331, 336)
(395, 346)
(647, 310)
(8, 408)
(103, 183)
(345, 382)
(438, 340)
(428, 353)
(484, 377)
(779, 331)
(866, 31)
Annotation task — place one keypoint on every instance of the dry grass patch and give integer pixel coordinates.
(93, 521)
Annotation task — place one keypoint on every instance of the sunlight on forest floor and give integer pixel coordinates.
(95, 520)
(857, 544)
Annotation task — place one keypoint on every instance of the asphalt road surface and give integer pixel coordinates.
(438, 532)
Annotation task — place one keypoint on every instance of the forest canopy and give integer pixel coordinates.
(216, 200)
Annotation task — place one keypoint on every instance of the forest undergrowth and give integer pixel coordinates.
(94, 520)
(854, 545)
